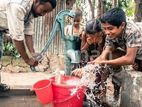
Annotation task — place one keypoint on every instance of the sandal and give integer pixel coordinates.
(4, 87)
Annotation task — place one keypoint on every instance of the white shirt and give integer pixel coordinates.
(13, 16)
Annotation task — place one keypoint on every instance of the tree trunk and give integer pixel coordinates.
(114, 3)
(69, 4)
(138, 10)
(101, 8)
(92, 8)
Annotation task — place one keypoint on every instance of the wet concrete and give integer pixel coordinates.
(131, 95)
(21, 93)
(23, 80)
(21, 101)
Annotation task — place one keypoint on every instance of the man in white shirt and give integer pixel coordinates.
(16, 16)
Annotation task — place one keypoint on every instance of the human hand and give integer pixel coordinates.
(89, 40)
(78, 72)
(32, 62)
(96, 61)
(37, 56)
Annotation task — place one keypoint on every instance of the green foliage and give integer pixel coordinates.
(82, 5)
(123, 3)
(10, 50)
(130, 9)
(108, 5)
(127, 5)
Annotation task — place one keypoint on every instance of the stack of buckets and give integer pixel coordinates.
(61, 95)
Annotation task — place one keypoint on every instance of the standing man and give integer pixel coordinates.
(16, 16)
(123, 35)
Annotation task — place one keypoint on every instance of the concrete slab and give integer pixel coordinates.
(23, 80)
(21, 101)
(20, 94)
(21, 85)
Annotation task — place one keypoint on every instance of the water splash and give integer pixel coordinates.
(94, 78)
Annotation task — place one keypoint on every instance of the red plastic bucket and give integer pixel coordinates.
(43, 90)
(62, 93)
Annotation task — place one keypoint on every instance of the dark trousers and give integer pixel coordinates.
(138, 65)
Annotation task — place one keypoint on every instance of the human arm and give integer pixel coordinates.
(133, 41)
(85, 46)
(81, 71)
(83, 39)
(22, 51)
(77, 72)
(29, 43)
(87, 42)
(104, 55)
(28, 31)
(127, 59)
(15, 17)
(30, 46)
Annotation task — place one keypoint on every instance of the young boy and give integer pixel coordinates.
(94, 41)
(123, 35)
(73, 42)
(92, 48)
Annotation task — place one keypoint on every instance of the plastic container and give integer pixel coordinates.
(63, 93)
(43, 90)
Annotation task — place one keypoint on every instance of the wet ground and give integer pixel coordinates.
(21, 94)
(21, 101)
(19, 77)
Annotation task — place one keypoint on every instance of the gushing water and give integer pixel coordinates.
(94, 79)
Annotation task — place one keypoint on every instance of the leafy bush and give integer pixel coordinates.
(10, 50)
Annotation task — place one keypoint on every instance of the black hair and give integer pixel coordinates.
(93, 26)
(114, 17)
(52, 2)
